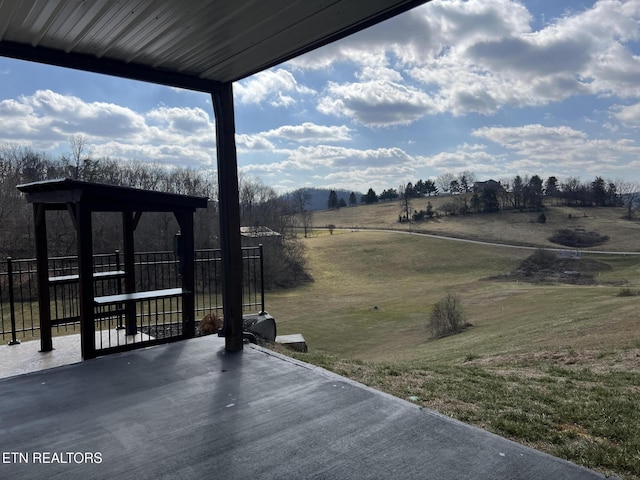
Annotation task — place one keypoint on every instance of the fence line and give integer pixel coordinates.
(19, 313)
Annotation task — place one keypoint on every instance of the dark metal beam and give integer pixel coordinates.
(105, 66)
(229, 202)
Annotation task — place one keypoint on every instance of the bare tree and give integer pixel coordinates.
(443, 182)
(629, 193)
(301, 198)
(81, 157)
(405, 203)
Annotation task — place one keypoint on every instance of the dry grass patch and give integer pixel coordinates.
(549, 365)
(510, 227)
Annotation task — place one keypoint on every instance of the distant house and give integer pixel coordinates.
(479, 187)
(252, 236)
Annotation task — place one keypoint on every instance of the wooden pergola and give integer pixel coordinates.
(192, 44)
(81, 200)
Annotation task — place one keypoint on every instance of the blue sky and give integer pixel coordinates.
(495, 87)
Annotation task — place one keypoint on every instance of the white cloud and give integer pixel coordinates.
(563, 148)
(459, 160)
(337, 167)
(333, 156)
(246, 142)
(181, 119)
(310, 132)
(480, 56)
(46, 120)
(361, 179)
(272, 86)
(628, 115)
(378, 103)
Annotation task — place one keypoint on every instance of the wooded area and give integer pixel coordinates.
(260, 206)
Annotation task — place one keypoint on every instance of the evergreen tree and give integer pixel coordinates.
(490, 200)
(533, 192)
(370, 197)
(518, 191)
(332, 203)
(430, 188)
(551, 189)
(599, 192)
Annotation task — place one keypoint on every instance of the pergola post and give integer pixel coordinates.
(128, 228)
(229, 201)
(185, 220)
(42, 261)
(85, 281)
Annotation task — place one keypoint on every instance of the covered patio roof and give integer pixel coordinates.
(202, 45)
(191, 44)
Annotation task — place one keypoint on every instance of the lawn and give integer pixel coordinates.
(553, 366)
(510, 226)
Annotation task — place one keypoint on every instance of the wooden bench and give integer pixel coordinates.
(96, 276)
(138, 296)
(69, 279)
(129, 298)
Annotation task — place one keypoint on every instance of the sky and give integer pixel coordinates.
(494, 87)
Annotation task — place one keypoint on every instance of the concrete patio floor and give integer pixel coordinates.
(26, 356)
(191, 410)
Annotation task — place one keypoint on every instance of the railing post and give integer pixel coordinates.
(118, 281)
(14, 339)
(262, 310)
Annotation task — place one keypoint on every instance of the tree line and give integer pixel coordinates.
(518, 192)
(285, 259)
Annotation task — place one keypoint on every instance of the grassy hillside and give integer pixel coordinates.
(373, 292)
(549, 365)
(510, 226)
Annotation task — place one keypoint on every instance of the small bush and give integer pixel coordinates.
(627, 292)
(210, 324)
(447, 317)
(539, 261)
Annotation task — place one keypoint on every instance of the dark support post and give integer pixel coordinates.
(12, 308)
(117, 268)
(185, 220)
(42, 263)
(229, 199)
(85, 281)
(129, 272)
(262, 310)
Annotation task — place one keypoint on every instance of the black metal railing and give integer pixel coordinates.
(19, 312)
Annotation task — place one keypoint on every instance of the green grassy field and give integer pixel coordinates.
(511, 226)
(553, 366)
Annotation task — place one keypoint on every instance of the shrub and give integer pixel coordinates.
(578, 238)
(210, 324)
(447, 317)
(539, 261)
(627, 292)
